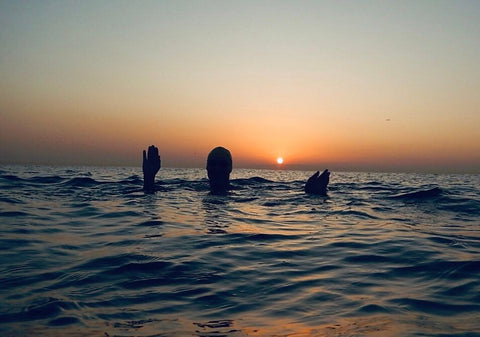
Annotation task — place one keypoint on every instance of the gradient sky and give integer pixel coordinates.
(370, 85)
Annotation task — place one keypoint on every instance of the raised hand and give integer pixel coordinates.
(151, 165)
(317, 183)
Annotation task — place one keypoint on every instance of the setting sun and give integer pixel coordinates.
(279, 160)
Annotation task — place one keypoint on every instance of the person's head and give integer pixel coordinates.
(219, 166)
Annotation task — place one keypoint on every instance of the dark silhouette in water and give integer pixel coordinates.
(150, 167)
(219, 167)
(317, 183)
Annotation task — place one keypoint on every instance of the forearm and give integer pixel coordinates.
(148, 183)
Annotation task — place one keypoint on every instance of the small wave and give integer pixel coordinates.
(42, 309)
(177, 181)
(215, 324)
(81, 182)
(272, 203)
(372, 309)
(132, 180)
(34, 180)
(359, 214)
(367, 258)
(466, 289)
(376, 186)
(121, 214)
(271, 237)
(422, 194)
(141, 268)
(11, 200)
(246, 199)
(454, 270)
(461, 205)
(143, 283)
(107, 261)
(350, 244)
(437, 308)
(151, 223)
(10, 177)
(10, 281)
(251, 181)
(13, 214)
(64, 320)
(46, 180)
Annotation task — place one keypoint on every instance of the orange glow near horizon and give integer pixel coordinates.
(325, 90)
(253, 142)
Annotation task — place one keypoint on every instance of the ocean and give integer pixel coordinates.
(84, 252)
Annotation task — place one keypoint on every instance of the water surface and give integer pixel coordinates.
(86, 253)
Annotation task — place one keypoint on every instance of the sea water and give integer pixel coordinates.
(84, 252)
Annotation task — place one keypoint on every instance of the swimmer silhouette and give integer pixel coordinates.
(150, 167)
(317, 183)
(219, 167)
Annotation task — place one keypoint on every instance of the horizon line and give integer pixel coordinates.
(277, 167)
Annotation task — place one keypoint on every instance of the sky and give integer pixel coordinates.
(348, 85)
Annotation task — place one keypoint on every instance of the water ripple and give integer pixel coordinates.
(85, 250)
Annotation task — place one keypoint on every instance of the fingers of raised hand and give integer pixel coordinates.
(313, 177)
(317, 183)
(153, 158)
(325, 176)
(152, 152)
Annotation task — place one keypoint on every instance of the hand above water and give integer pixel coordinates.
(151, 165)
(317, 183)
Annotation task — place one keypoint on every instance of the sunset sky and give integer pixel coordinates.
(367, 85)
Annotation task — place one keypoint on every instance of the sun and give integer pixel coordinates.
(279, 160)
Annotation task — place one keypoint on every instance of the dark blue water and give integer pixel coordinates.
(84, 252)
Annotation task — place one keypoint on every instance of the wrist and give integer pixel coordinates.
(148, 182)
